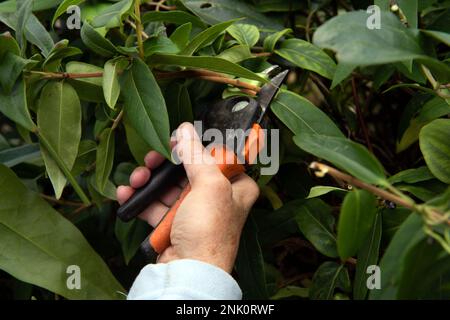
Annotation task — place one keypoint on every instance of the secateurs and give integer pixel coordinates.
(229, 114)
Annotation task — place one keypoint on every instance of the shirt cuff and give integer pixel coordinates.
(184, 279)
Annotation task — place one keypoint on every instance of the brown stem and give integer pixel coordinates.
(161, 5)
(324, 169)
(360, 116)
(262, 54)
(133, 25)
(208, 75)
(117, 120)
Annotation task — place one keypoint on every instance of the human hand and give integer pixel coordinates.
(208, 224)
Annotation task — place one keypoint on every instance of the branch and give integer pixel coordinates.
(161, 5)
(324, 169)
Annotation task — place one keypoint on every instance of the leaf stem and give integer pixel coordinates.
(137, 13)
(402, 201)
(272, 196)
(63, 168)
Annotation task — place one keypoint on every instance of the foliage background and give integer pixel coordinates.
(80, 108)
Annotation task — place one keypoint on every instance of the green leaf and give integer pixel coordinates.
(392, 264)
(14, 106)
(355, 221)
(11, 67)
(112, 16)
(271, 41)
(23, 14)
(178, 105)
(62, 8)
(12, 156)
(215, 11)
(412, 175)
(208, 63)
(345, 154)
(428, 258)
(327, 278)
(300, 115)
(367, 256)
(432, 109)
(438, 35)
(348, 35)
(180, 37)
(89, 89)
(138, 147)
(206, 37)
(245, 34)
(307, 56)
(435, 148)
(145, 107)
(38, 5)
(318, 191)
(250, 263)
(159, 44)
(104, 159)
(85, 157)
(34, 31)
(8, 44)
(341, 73)
(38, 245)
(316, 223)
(236, 54)
(59, 122)
(94, 41)
(291, 291)
(59, 52)
(130, 235)
(175, 16)
(111, 86)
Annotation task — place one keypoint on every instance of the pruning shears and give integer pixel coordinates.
(239, 112)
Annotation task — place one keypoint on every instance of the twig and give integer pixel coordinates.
(198, 73)
(161, 5)
(137, 13)
(429, 76)
(386, 195)
(133, 25)
(360, 116)
(262, 54)
(117, 120)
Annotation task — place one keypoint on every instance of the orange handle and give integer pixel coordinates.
(227, 162)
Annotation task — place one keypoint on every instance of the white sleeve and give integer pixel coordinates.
(184, 279)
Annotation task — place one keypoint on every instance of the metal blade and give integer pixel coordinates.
(268, 92)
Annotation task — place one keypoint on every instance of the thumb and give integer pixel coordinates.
(197, 161)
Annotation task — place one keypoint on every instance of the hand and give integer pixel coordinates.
(209, 222)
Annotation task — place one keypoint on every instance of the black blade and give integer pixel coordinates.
(269, 90)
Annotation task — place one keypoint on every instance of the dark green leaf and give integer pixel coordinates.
(14, 106)
(175, 16)
(138, 147)
(355, 221)
(316, 222)
(250, 263)
(11, 67)
(104, 159)
(38, 245)
(236, 54)
(94, 41)
(180, 37)
(62, 8)
(345, 154)
(271, 41)
(215, 11)
(145, 107)
(205, 37)
(111, 86)
(59, 121)
(12, 156)
(412, 175)
(245, 34)
(159, 44)
(307, 56)
(300, 115)
(434, 138)
(392, 264)
(367, 256)
(179, 105)
(327, 278)
(130, 235)
(112, 16)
